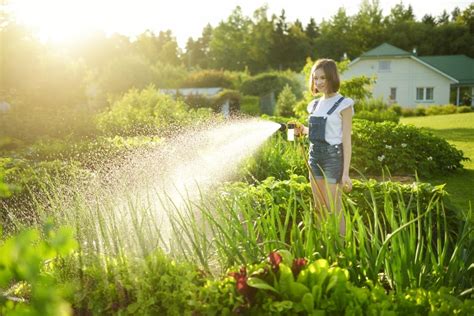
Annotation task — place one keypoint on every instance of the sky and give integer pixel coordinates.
(59, 20)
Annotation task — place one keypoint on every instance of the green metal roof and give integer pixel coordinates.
(386, 50)
(460, 67)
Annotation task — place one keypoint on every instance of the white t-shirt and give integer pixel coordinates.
(333, 133)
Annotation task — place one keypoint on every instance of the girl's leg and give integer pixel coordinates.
(319, 191)
(334, 202)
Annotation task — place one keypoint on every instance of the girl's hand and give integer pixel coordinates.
(299, 128)
(346, 183)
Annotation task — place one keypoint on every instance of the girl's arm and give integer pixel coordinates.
(347, 146)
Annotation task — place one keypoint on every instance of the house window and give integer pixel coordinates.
(384, 65)
(393, 94)
(429, 94)
(425, 94)
(420, 94)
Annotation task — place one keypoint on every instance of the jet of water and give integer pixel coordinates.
(128, 207)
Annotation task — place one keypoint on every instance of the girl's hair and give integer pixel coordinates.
(330, 71)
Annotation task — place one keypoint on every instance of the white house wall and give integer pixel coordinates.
(406, 75)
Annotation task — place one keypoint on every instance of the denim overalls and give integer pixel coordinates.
(326, 160)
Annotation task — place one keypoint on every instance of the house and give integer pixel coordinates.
(407, 79)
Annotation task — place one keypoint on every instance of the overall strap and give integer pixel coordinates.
(331, 110)
(315, 104)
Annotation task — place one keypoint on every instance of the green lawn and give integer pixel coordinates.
(458, 129)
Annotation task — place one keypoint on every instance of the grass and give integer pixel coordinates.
(457, 129)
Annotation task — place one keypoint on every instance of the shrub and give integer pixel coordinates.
(420, 110)
(378, 116)
(396, 108)
(271, 82)
(26, 285)
(440, 109)
(376, 110)
(208, 79)
(464, 109)
(167, 76)
(146, 112)
(233, 96)
(407, 112)
(286, 101)
(250, 105)
(195, 101)
(403, 149)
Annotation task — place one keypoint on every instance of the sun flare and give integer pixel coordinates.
(66, 20)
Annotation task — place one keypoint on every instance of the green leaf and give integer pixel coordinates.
(308, 302)
(286, 256)
(286, 279)
(297, 291)
(260, 284)
(317, 292)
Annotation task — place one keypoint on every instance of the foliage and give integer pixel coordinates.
(436, 110)
(154, 285)
(250, 105)
(285, 102)
(88, 152)
(357, 88)
(464, 109)
(270, 82)
(146, 112)
(26, 122)
(386, 243)
(24, 263)
(376, 110)
(378, 116)
(403, 149)
(283, 285)
(4, 188)
(209, 79)
(30, 184)
(233, 96)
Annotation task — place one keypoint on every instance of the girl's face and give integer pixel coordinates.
(320, 81)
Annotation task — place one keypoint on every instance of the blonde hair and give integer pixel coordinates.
(330, 71)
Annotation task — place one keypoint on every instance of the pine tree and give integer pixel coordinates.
(285, 103)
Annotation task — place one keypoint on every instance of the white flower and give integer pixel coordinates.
(404, 145)
(430, 158)
(388, 146)
(381, 158)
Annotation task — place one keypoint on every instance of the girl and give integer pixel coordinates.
(329, 131)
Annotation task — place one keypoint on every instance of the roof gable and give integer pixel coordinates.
(385, 50)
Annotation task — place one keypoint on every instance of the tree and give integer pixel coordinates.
(285, 103)
(261, 41)
(336, 37)
(197, 52)
(428, 19)
(399, 14)
(229, 45)
(312, 33)
(367, 27)
(443, 18)
(162, 48)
